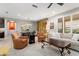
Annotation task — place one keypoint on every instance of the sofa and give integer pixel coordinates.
(19, 42)
(73, 38)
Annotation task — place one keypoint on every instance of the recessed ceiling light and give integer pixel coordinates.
(24, 17)
(6, 12)
(19, 14)
(53, 12)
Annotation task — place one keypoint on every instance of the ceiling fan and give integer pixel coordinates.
(61, 4)
(35, 6)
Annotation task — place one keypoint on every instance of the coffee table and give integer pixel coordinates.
(59, 43)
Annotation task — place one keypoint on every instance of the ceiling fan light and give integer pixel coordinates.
(35, 6)
(61, 4)
(50, 5)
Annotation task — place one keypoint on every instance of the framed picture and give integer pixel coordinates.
(11, 25)
(60, 25)
(2, 23)
(67, 24)
(51, 25)
(75, 23)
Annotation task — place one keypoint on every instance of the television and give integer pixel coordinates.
(2, 23)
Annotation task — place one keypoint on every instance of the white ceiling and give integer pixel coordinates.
(25, 11)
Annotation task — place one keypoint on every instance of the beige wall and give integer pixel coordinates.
(18, 25)
(55, 19)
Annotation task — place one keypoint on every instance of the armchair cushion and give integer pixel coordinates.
(23, 40)
(75, 37)
(16, 35)
(68, 36)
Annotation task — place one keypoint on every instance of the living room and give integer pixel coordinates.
(26, 31)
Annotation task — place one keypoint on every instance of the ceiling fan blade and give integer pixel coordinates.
(61, 4)
(50, 5)
(35, 6)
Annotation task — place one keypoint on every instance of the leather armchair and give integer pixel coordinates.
(41, 36)
(19, 42)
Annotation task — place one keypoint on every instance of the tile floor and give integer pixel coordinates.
(33, 49)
